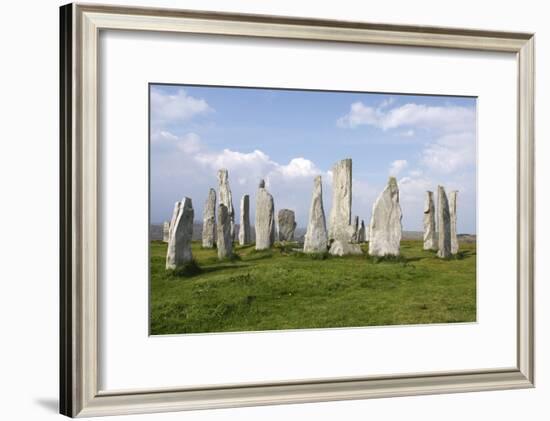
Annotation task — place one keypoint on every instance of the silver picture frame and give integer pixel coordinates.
(80, 26)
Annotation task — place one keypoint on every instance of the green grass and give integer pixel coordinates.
(284, 289)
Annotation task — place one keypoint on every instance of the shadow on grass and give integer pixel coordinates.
(238, 247)
(415, 259)
(192, 269)
(466, 253)
(461, 255)
(390, 259)
(260, 255)
(221, 267)
(231, 259)
(187, 269)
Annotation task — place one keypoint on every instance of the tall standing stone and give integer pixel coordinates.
(287, 224)
(265, 218)
(166, 231)
(340, 213)
(385, 228)
(225, 239)
(181, 234)
(452, 211)
(244, 226)
(444, 224)
(226, 198)
(429, 222)
(209, 220)
(175, 214)
(316, 240)
(362, 232)
(355, 225)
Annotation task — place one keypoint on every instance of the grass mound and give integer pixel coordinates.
(282, 288)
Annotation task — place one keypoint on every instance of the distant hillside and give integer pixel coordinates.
(156, 234)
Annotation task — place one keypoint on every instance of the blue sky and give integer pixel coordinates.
(288, 137)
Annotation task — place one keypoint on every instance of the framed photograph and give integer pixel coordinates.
(262, 210)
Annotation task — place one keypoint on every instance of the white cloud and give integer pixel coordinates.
(189, 159)
(407, 133)
(190, 143)
(299, 167)
(257, 164)
(164, 135)
(387, 102)
(397, 166)
(178, 106)
(163, 140)
(450, 152)
(360, 114)
(452, 145)
(444, 118)
(412, 193)
(412, 188)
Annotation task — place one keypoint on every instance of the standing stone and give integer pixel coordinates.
(452, 211)
(226, 198)
(341, 231)
(225, 239)
(209, 220)
(355, 235)
(340, 213)
(385, 228)
(315, 240)
(165, 231)
(265, 218)
(244, 226)
(362, 234)
(181, 234)
(444, 224)
(429, 222)
(341, 248)
(287, 224)
(175, 213)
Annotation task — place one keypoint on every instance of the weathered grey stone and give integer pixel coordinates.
(444, 224)
(226, 198)
(355, 226)
(340, 214)
(452, 212)
(209, 220)
(362, 237)
(244, 226)
(341, 231)
(181, 233)
(315, 240)
(175, 213)
(429, 222)
(385, 227)
(265, 218)
(339, 248)
(287, 224)
(225, 239)
(166, 231)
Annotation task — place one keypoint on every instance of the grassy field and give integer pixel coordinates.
(282, 289)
